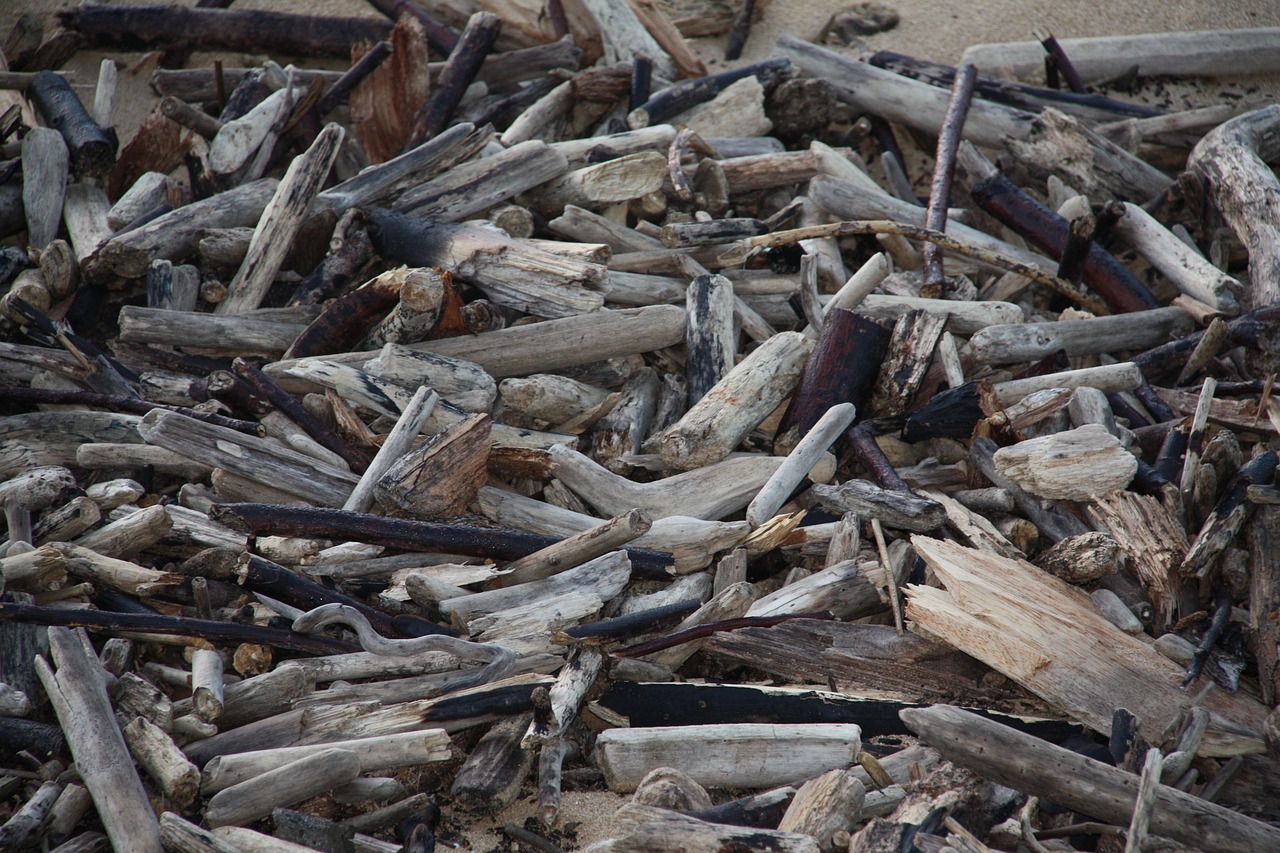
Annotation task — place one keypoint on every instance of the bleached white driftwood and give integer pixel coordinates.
(798, 462)
(735, 755)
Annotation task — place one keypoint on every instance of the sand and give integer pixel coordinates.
(930, 29)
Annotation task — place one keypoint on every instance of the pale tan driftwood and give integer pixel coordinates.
(649, 829)
(692, 542)
(386, 752)
(80, 701)
(480, 184)
(1077, 464)
(239, 333)
(595, 187)
(1210, 53)
(283, 786)
(711, 492)
(843, 589)
(1189, 271)
(129, 532)
(463, 383)
(281, 220)
(737, 755)
(605, 576)
(625, 36)
(737, 111)
(163, 761)
(1110, 378)
(421, 295)
(824, 806)
(902, 510)
(84, 210)
(239, 139)
(1050, 638)
(737, 404)
(115, 455)
(577, 549)
(397, 443)
(549, 397)
(148, 192)
(1009, 757)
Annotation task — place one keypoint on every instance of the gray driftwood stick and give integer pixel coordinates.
(478, 185)
(577, 549)
(1012, 758)
(80, 701)
(238, 333)
(255, 458)
(281, 220)
(163, 761)
(292, 783)
(1190, 271)
(1016, 342)
(397, 444)
(1109, 378)
(798, 462)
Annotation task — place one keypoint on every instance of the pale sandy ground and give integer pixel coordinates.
(939, 30)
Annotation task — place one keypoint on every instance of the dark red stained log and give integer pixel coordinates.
(842, 369)
(93, 151)
(225, 632)
(346, 320)
(498, 544)
(440, 36)
(176, 28)
(461, 68)
(262, 575)
(1109, 278)
(1248, 330)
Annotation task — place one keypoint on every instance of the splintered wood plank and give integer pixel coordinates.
(1051, 639)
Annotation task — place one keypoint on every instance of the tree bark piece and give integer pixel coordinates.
(1085, 667)
(1091, 787)
(441, 478)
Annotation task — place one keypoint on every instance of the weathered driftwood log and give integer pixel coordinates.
(1005, 344)
(1084, 649)
(510, 272)
(1012, 758)
(45, 163)
(440, 478)
(732, 755)
(240, 333)
(292, 783)
(78, 694)
(894, 508)
(737, 404)
(1077, 464)
(281, 220)
(1109, 379)
(799, 461)
(478, 185)
(1192, 54)
(173, 236)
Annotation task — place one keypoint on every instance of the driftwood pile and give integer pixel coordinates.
(376, 444)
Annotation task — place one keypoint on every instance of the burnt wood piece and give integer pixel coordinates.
(272, 519)
(842, 369)
(1248, 330)
(686, 94)
(440, 35)
(1012, 93)
(93, 150)
(121, 403)
(262, 575)
(350, 249)
(952, 413)
(289, 406)
(177, 29)
(688, 704)
(154, 623)
(461, 68)
(1109, 278)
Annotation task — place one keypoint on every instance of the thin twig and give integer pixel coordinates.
(944, 169)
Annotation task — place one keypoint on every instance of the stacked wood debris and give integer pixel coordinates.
(525, 410)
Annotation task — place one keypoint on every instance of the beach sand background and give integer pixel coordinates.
(937, 30)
